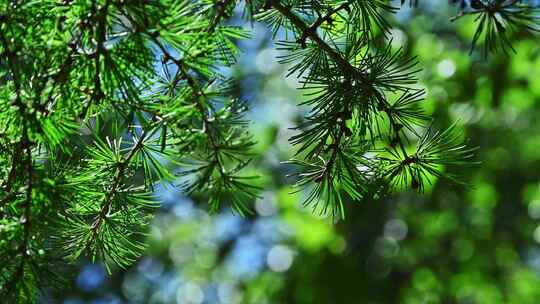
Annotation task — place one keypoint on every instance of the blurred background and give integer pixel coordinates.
(453, 244)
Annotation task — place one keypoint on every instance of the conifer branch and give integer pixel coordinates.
(199, 95)
(23, 146)
(304, 28)
(18, 147)
(101, 17)
(328, 17)
(371, 76)
(183, 74)
(23, 249)
(111, 194)
(311, 33)
(222, 6)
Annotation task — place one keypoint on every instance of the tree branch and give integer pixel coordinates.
(117, 181)
(221, 10)
(300, 24)
(320, 20)
(182, 73)
(101, 15)
(23, 146)
(309, 32)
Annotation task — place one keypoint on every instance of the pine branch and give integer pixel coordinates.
(199, 97)
(306, 30)
(497, 19)
(101, 17)
(117, 182)
(368, 79)
(24, 145)
(222, 6)
(18, 147)
(183, 74)
(200, 103)
(320, 20)
(346, 66)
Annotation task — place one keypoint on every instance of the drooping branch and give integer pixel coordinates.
(119, 176)
(311, 33)
(24, 147)
(181, 74)
(198, 98)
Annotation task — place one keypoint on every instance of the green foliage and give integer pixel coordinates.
(103, 100)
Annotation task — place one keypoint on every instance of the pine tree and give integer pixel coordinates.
(102, 100)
